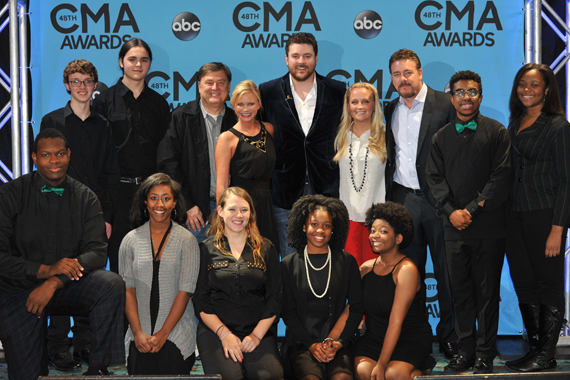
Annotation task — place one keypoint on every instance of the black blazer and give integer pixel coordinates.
(297, 154)
(183, 153)
(438, 111)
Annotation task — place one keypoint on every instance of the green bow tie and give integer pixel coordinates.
(50, 189)
(461, 127)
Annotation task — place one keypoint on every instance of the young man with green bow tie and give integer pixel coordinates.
(52, 253)
(469, 173)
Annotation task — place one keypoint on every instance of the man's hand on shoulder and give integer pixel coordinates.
(68, 267)
(40, 296)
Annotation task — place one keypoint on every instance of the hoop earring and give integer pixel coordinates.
(173, 216)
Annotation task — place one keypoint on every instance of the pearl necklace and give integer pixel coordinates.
(318, 269)
(351, 165)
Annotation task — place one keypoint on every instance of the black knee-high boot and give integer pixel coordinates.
(531, 319)
(549, 332)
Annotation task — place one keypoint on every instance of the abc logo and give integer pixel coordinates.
(186, 26)
(368, 24)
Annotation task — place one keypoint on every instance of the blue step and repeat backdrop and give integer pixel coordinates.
(356, 39)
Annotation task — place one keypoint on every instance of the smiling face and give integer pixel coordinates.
(318, 228)
(383, 238)
(301, 61)
(361, 104)
(160, 202)
(214, 89)
(247, 106)
(235, 213)
(467, 107)
(135, 64)
(52, 160)
(83, 93)
(531, 90)
(406, 78)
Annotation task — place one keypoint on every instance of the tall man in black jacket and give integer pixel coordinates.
(304, 108)
(411, 121)
(95, 165)
(187, 151)
(469, 174)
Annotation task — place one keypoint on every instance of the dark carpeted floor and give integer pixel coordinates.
(509, 348)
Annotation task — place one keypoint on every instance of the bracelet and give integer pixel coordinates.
(256, 337)
(219, 329)
(225, 335)
(329, 338)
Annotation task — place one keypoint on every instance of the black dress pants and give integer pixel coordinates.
(99, 295)
(428, 231)
(537, 279)
(475, 270)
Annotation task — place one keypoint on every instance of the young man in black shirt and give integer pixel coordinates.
(52, 251)
(94, 163)
(468, 172)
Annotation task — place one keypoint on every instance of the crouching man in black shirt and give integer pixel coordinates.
(52, 251)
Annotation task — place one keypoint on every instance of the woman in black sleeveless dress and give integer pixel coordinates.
(398, 337)
(245, 157)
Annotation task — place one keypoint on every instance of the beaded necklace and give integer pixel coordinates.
(351, 165)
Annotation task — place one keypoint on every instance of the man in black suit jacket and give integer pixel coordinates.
(187, 151)
(411, 121)
(304, 108)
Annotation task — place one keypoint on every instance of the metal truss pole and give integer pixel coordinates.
(537, 31)
(15, 90)
(24, 114)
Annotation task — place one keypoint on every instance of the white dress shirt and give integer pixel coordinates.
(374, 187)
(305, 108)
(406, 127)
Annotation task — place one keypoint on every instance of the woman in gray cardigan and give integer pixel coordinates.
(159, 262)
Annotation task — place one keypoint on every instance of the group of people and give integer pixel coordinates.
(194, 210)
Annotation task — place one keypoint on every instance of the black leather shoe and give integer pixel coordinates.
(97, 372)
(482, 366)
(63, 361)
(81, 356)
(448, 349)
(459, 364)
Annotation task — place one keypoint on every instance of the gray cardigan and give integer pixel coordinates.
(179, 266)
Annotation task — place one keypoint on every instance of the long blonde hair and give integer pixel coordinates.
(217, 228)
(377, 131)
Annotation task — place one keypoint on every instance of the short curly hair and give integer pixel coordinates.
(396, 215)
(307, 205)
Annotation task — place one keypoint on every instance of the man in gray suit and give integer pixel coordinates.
(411, 121)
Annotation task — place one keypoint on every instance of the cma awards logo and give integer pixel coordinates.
(368, 24)
(257, 21)
(432, 15)
(67, 19)
(186, 26)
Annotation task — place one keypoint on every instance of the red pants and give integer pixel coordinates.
(358, 244)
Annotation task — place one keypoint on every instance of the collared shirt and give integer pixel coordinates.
(41, 228)
(374, 187)
(238, 291)
(406, 126)
(93, 160)
(305, 108)
(138, 126)
(541, 163)
(213, 129)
